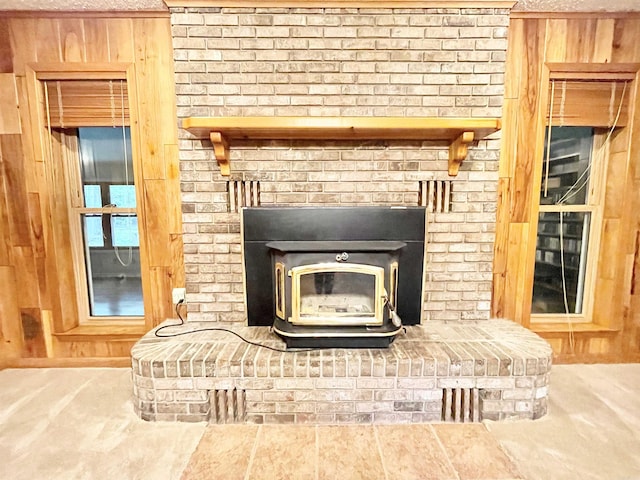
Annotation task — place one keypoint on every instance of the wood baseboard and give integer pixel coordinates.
(68, 362)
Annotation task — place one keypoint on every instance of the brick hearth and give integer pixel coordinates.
(439, 371)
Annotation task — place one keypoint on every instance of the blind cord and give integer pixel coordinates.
(126, 174)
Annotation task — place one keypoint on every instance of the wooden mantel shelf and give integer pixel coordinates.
(458, 132)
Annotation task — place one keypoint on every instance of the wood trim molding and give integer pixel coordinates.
(80, 70)
(593, 71)
(343, 3)
(84, 14)
(457, 132)
(572, 15)
(68, 362)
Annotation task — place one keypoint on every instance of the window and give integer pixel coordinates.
(566, 214)
(108, 221)
(582, 119)
(91, 118)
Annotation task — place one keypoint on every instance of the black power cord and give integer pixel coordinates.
(220, 329)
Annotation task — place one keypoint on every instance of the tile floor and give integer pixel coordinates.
(67, 424)
(368, 452)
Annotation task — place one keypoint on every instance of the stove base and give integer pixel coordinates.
(296, 336)
(337, 342)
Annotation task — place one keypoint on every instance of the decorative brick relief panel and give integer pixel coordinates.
(333, 62)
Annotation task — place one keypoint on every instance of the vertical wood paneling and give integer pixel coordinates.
(28, 136)
(581, 39)
(603, 49)
(514, 284)
(5, 221)
(15, 185)
(501, 246)
(148, 57)
(556, 47)
(509, 135)
(156, 221)
(72, 41)
(614, 194)
(571, 40)
(22, 33)
(626, 47)
(26, 277)
(177, 253)
(513, 72)
(174, 213)
(96, 44)
(32, 333)
(161, 305)
(35, 249)
(6, 59)
(528, 120)
(60, 269)
(10, 332)
(9, 118)
(120, 35)
(47, 40)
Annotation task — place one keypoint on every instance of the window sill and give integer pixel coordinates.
(107, 331)
(566, 327)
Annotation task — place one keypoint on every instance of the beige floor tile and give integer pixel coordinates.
(348, 453)
(474, 453)
(223, 453)
(412, 452)
(284, 452)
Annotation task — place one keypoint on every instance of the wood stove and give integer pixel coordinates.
(334, 277)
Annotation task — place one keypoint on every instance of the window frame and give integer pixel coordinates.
(37, 74)
(597, 194)
(594, 206)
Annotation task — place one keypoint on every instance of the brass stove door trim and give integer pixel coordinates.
(280, 290)
(377, 317)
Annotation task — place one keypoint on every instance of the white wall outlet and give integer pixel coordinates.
(178, 294)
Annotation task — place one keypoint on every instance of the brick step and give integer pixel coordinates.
(439, 371)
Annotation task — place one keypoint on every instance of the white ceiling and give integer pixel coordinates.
(137, 5)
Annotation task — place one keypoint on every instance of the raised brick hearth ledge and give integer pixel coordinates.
(459, 372)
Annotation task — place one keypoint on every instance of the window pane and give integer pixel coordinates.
(112, 256)
(105, 155)
(561, 254)
(565, 175)
(124, 231)
(113, 276)
(123, 196)
(92, 196)
(93, 230)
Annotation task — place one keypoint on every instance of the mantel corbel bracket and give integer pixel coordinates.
(221, 152)
(458, 151)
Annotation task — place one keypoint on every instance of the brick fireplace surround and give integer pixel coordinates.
(458, 364)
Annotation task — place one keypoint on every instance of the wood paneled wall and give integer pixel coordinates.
(593, 43)
(37, 303)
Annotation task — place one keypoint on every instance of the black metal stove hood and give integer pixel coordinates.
(362, 229)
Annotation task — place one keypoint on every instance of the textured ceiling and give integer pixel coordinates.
(83, 5)
(578, 5)
(145, 5)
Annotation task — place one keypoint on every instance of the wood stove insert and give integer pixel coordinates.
(334, 276)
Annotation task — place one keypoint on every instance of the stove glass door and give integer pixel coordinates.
(337, 294)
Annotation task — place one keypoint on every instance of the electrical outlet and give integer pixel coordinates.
(178, 294)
